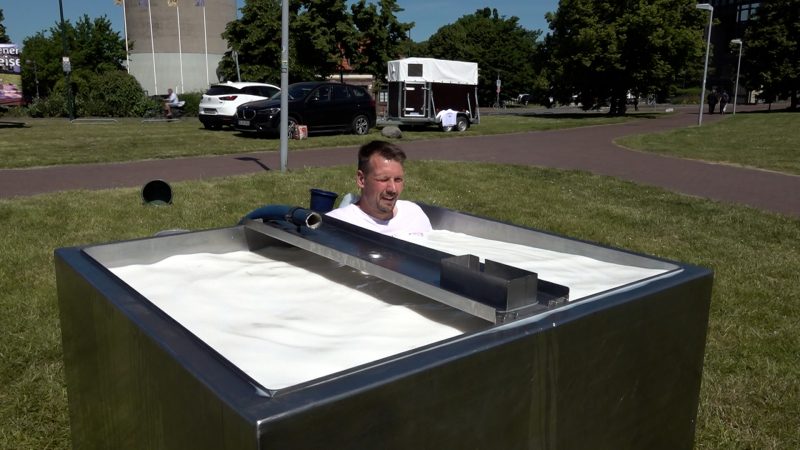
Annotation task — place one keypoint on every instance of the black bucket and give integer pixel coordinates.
(157, 192)
(322, 201)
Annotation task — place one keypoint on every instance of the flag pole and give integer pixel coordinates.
(152, 48)
(205, 38)
(180, 46)
(125, 28)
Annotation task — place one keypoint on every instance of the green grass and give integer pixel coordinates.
(750, 396)
(45, 142)
(764, 140)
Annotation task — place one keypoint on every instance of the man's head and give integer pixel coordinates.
(169, 91)
(380, 177)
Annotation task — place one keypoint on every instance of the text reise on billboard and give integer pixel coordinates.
(10, 80)
(9, 58)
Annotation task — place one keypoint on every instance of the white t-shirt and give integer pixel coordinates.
(409, 220)
(172, 99)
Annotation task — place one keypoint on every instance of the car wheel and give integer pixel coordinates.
(461, 123)
(291, 126)
(360, 125)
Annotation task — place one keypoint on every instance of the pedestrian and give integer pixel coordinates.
(712, 102)
(723, 102)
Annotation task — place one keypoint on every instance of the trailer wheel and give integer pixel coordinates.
(462, 124)
(360, 125)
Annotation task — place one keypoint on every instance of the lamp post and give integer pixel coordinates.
(738, 66)
(284, 85)
(710, 9)
(65, 63)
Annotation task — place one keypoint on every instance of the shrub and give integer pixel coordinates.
(14, 111)
(54, 105)
(113, 93)
(684, 96)
(192, 106)
(119, 94)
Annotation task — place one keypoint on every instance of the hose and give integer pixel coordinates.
(292, 214)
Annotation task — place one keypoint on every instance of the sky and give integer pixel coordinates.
(25, 18)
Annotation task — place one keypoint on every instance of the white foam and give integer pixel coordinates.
(583, 275)
(285, 316)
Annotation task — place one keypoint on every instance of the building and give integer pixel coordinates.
(176, 43)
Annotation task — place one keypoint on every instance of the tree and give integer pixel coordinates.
(500, 46)
(772, 49)
(320, 35)
(380, 36)
(602, 49)
(324, 37)
(256, 38)
(4, 39)
(94, 47)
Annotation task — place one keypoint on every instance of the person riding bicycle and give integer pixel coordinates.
(171, 102)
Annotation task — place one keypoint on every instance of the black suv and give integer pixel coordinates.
(321, 106)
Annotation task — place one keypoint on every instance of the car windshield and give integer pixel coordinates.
(295, 92)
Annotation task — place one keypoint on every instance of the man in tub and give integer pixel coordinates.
(381, 178)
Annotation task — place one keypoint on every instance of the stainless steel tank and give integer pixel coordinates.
(617, 369)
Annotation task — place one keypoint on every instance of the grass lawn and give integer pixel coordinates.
(750, 396)
(45, 142)
(767, 140)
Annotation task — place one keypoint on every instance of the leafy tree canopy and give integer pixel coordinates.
(772, 50)
(4, 39)
(500, 46)
(92, 44)
(256, 39)
(601, 49)
(322, 34)
(380, 36)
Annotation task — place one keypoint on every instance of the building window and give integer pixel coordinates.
(746, 11)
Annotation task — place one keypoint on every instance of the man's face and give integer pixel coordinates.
(380, 187)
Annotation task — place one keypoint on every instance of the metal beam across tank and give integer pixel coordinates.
(492, 291)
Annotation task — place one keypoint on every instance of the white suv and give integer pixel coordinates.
(219, 103)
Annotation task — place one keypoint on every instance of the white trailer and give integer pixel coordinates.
(425, 91)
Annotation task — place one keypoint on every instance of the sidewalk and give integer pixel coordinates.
(588, 148)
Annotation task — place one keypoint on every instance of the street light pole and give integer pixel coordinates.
(738, 66)
(66, 63)
(710, 9)
(284, 148)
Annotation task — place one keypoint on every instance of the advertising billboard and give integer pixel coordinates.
(10, 79)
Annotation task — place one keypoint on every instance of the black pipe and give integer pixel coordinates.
(292, 214)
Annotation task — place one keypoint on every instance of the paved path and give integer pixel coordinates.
(587, 148)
